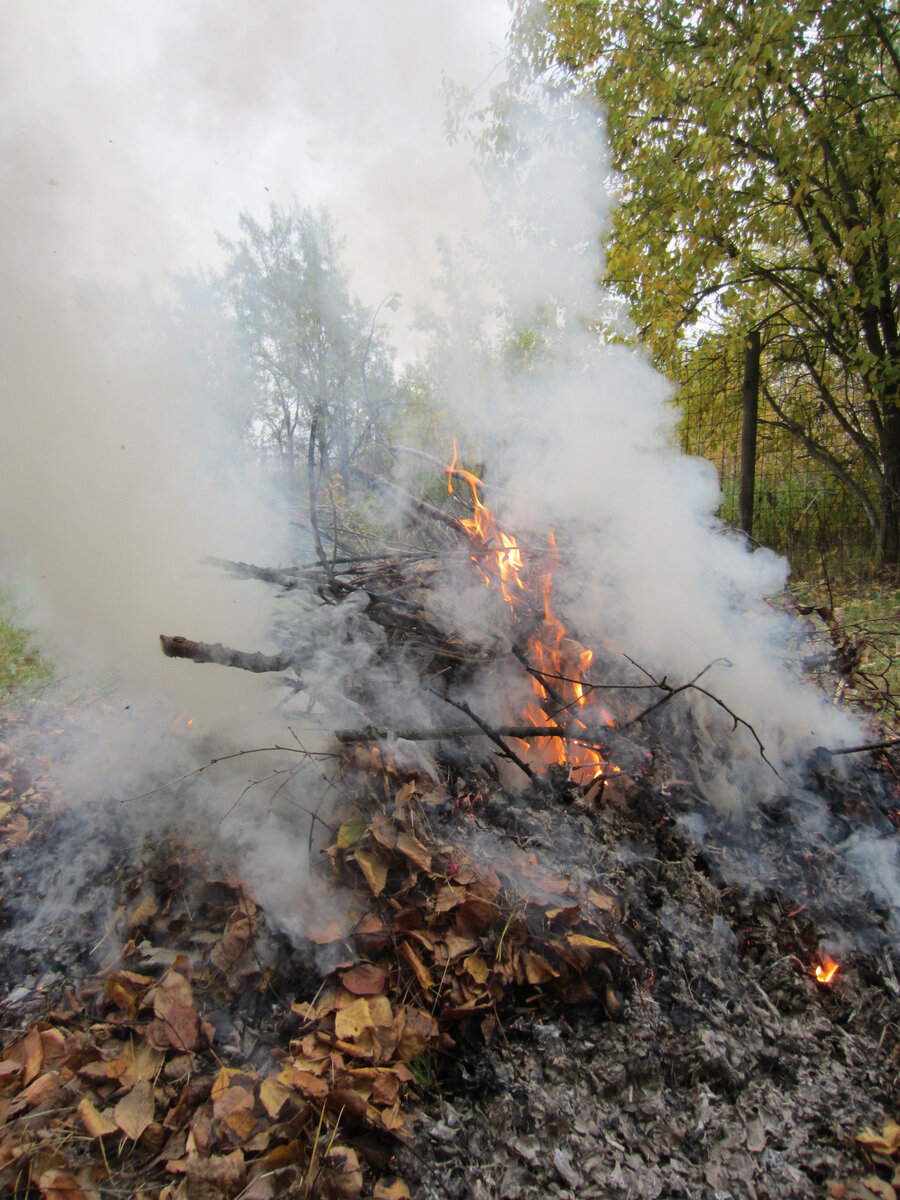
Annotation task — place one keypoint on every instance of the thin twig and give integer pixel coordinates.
(885, 745)
(692, 685)
(488, 731)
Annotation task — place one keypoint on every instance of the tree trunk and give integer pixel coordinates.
(889, 547)
(752, 350)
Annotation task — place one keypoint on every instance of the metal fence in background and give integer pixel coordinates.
(801, 510)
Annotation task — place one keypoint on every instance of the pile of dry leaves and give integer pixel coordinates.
(136, 1079)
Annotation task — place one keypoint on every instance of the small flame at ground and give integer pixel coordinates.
(827, 969)
(559, 662)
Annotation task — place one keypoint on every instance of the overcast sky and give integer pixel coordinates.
(132, 132)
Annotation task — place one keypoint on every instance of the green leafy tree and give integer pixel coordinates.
(757, 146)
(322, 367)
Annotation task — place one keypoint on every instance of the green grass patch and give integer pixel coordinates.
(22, 668)
(865, 631)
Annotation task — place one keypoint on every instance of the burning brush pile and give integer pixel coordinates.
(541, 977)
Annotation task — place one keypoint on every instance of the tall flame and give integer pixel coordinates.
(559, 663)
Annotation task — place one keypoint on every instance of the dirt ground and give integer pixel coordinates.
(717, 1066)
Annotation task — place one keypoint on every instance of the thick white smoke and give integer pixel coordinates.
(586, 441)
(132, 135)
(128, 137)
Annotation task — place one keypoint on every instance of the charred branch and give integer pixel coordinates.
(225, 656)
(495, 737)
(382, 733)
(408, 503)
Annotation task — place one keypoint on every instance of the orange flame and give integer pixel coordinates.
(501, 562)
(827, 969)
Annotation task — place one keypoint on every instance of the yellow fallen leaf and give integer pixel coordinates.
(365, 1013)
(144, 911)
(591, 943)
(395, 1190)
(373, 869)
(274, 1096)
(887, 1142)
(477, 968)
(137, 1062)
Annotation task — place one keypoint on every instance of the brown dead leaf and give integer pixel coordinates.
(178, 1023)
(413, 849)
(303, 1081)
(40, 1089)
(230, 1099)
(882, 1190)
(138, 1061)
(54, 1045)
(135, 1111)
(342, 1178)
(603, 901)
(405, 793)
(215, 1178)
(59, 1185)
(408, 918)
(127, 989)
(421, 972)
(537, 969)
(385, 1087)
(96, 1123)
(32, 1057)
(229, 1077)
(448, 897)
(415, 1031)
(14, 829)
(9, 1071)
(457, 946)
(365, 980)
(346, 1100)
(323, 933)
(392, 1120)
(383, 831)
(475, 914)
(235, 1111)
(233, 944)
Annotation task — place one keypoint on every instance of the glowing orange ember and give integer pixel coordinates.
(560, 663)
(180, 722)
(826, 970)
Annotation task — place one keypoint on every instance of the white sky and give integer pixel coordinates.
(132, 132)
